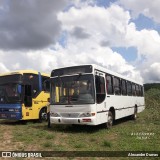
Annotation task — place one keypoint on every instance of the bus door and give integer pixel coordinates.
(27, 108)
(100, 96)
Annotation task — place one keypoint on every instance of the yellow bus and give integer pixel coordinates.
(22, 95)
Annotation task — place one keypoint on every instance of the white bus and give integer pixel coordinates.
(93, 95)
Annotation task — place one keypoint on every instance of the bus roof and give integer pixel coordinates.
(102, 69)
(115, 74)
(24, 71)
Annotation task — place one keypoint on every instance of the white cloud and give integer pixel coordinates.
(104, 25)
(3, 68)
(149, 8)
(102, 28)
(91, 31)
(87, 29)
(47, 59)
(152, 74)
(147, 43)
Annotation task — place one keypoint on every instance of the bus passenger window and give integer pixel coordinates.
(141, 91)
(117, 88)
(100, 89)
(133, 89)
(124, 88)
(137, 90)
(129, 89)
(109, 84)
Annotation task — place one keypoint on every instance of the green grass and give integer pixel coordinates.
(125, 135)
(47, 144)
(106, 144)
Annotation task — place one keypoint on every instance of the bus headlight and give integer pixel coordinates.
(54, 114)
(13, 110)
(16, 110)
(87, 114)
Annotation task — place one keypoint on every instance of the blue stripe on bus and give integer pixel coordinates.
(40, 81)
(6, 114)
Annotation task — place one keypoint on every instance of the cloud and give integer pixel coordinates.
(41, 60)
(29, 24)
(3, 68)
(102, 24)
(147, 43)
(89, 33)
(152, 74)
(80, 33)
(112, 27)
(146, 7)
(47, 59)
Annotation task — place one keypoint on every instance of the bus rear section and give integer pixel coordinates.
(22, 95)
(92, 95)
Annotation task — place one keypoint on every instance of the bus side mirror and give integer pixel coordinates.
(46, 85)
(28, 96)
(48, 100)
(19, 89)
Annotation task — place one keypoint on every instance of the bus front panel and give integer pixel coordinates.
(11, 111)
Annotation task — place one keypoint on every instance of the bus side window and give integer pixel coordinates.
(109, 84)
(129, 88)
(124, 88)
(117, 88)
(133, 89)
(137, 90)
(141, 91)
(100, 89)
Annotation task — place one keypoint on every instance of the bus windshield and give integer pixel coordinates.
(78, 89)
(10, 93)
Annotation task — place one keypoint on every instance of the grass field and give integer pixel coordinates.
(126, 135)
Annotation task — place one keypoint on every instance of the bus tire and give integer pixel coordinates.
(49, 122)
(134, 116)
(109, 123)
(24, 122)
(43, 115)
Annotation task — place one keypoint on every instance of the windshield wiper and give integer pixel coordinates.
(80, 74)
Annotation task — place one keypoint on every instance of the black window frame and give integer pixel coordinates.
(141, 91)
(109, 86)
(117, 86)
(124, 87)
(100, 94)
(137, 90)
(129, 90)
(133, 89)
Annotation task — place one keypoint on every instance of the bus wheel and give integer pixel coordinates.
(24, 122)
(49, 122)
(43, 115)
(109, 123)
(134, 116)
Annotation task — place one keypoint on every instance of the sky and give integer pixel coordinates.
(120, 35)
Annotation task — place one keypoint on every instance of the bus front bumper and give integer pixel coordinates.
(12, 116)
(80, 121)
